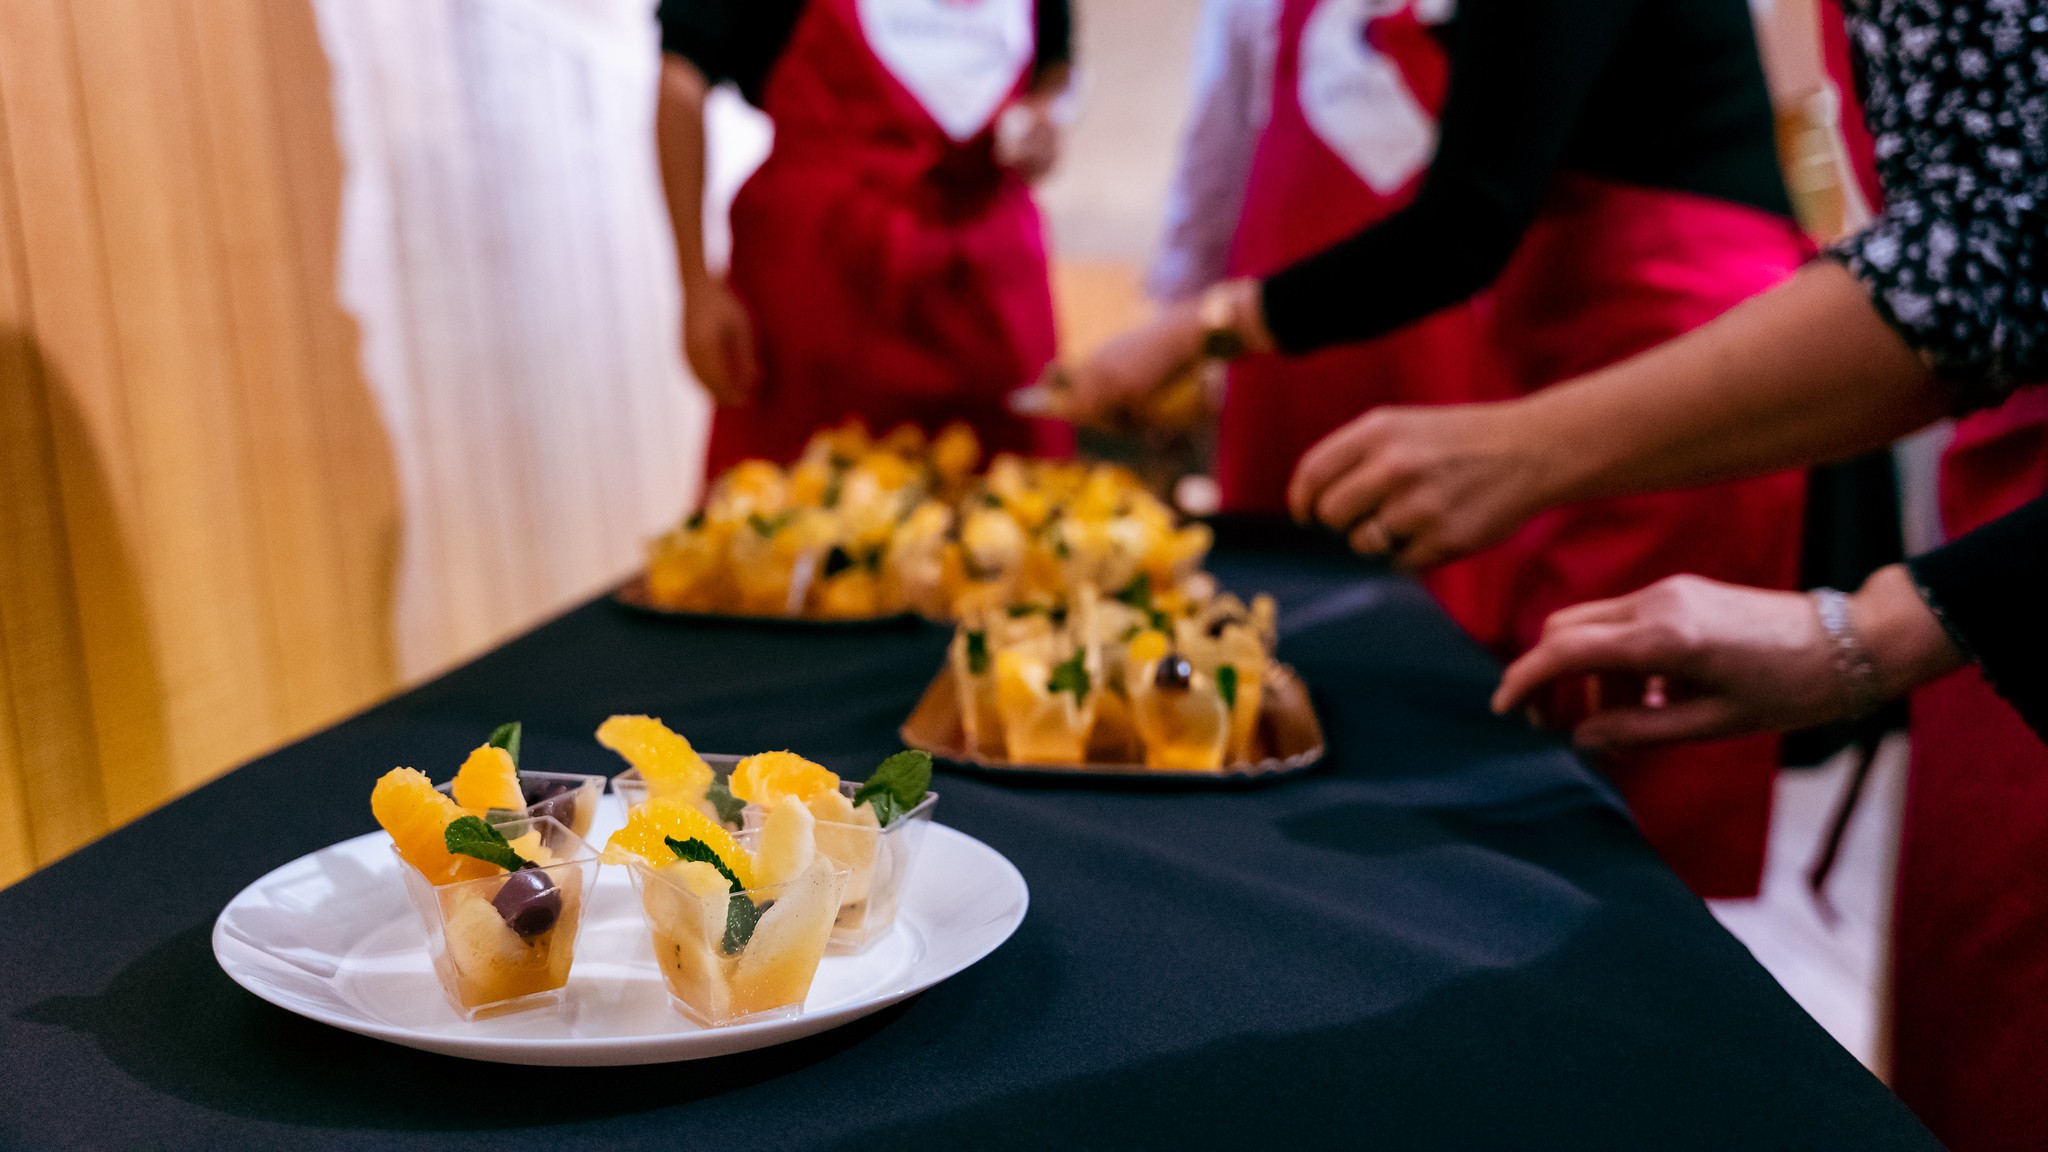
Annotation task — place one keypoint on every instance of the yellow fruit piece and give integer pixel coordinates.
(1146, 647)
(665, 818)
(489, 780)
(666, 761)
(765, 778)
(417, 817)
(788, 842)
(778, 964)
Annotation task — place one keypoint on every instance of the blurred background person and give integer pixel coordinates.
(1311, 120)
(887, 259)
(1940, 304)
(1608, 169)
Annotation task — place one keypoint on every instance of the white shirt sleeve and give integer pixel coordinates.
(1233, 80)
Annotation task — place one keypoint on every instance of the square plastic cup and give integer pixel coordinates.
(505, 943)
(876, 860)
(718, 971)
(570, 797)
(631, 788)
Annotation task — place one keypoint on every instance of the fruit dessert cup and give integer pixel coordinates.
(505, 943)
(873, 830)
(500, 897)
(739, 923)
(663, 763)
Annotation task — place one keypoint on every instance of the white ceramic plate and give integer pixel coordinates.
(331, 937)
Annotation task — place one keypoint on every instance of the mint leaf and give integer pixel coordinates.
(836, 561)
(977, 653)
(506, 736)
(1071, 675)
(742, 916)
(767, 526)
(470, 836)
(1226, 685)
(897, 785)
(1138, 593)
(728, 805)
(699, 851)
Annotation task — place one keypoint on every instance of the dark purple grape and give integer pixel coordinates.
(1174, 672)
(529, 902)
(555, 798)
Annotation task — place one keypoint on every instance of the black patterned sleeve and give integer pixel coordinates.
(1957, 99)
(1985, 587)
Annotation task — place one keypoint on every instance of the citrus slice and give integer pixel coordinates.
(417, 817)
(665, 760)
(769, 776)
(666, 818)
(488, 780)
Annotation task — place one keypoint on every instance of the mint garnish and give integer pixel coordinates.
(506, 736)
(1071, 675)
(741, 915)
(1138, 593)
(728, 805)
(1226, 685)
(977, 653)
(470, 836)
(897, 785)
(767, 526)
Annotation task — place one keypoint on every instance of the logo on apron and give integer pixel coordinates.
(1354, 96)
(960, 58)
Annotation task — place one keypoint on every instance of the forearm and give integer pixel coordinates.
(679, 137)
(1803, 374)
(1907, 644)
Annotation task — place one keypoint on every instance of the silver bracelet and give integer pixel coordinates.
(1853, 665)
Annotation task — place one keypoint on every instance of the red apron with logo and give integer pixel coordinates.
(1970, 939)
(1357, 85)
(892, 269)
(1609, 270)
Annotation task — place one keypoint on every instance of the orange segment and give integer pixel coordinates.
(769, 776)
(665, 760)
(489, 780)
(665, 818)
(417, 817)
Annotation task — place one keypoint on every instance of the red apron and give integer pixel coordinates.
(1356, 90)
(892, 270)
(1970, 938)
(1607, 271)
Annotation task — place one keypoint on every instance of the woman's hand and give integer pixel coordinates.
(1427, 485)
(1692, 659)
(1028, 138)
(718, 340)
(1108, 388)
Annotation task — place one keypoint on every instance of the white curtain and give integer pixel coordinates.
(506, 253)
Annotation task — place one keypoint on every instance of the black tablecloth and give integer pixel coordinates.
(1449, 937)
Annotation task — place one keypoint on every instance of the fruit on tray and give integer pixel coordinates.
(1171, 677)
(500, 899)
(737, 931)
(858, 527)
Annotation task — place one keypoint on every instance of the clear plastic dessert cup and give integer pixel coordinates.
(505, 943)
(631, 788)
(570, 797)
(729, 957)
(876, 861)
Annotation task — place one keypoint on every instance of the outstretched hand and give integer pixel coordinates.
(1685, 659)
(1425, 485)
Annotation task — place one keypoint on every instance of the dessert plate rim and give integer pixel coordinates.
(944, 951)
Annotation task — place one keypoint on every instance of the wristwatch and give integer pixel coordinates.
(1221, 338)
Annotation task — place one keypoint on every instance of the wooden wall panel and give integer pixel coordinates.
(195, 540)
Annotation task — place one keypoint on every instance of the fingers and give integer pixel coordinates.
(1704, 718)
(1324, 464)
(1587, 648)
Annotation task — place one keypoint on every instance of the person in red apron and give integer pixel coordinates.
(1610, 171)
(887, 260)
(1355, 92)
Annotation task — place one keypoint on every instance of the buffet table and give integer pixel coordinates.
(1448, 936)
